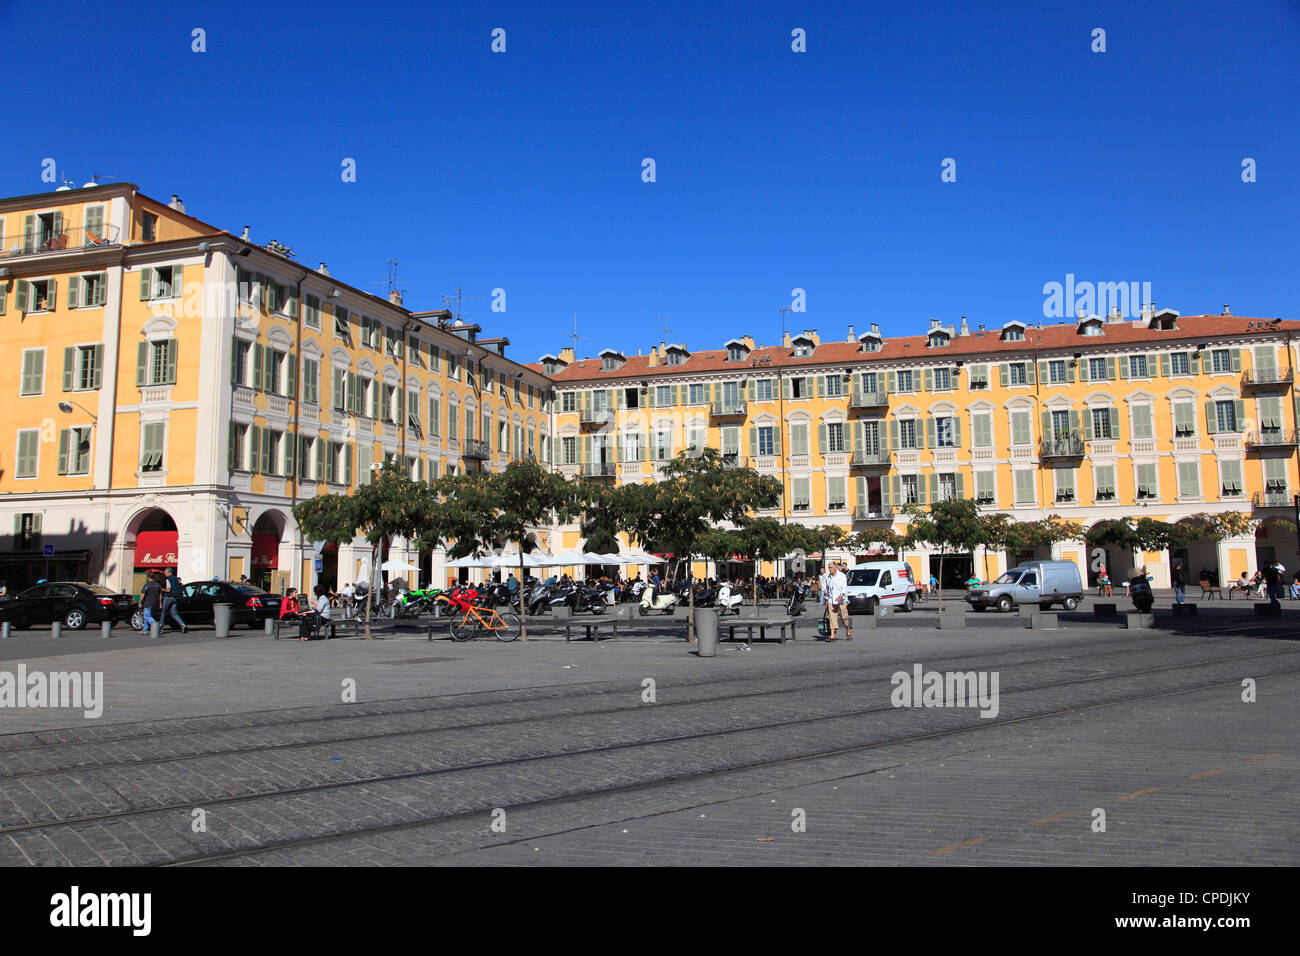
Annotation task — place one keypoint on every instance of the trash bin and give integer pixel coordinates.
(706, 631)
(221, 619)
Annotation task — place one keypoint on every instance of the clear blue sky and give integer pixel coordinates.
(775, 170)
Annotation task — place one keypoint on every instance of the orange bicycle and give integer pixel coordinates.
(503, 625)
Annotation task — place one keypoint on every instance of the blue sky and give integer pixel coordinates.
(775, 170)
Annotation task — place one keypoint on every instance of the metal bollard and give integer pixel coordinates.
(56, 629)
(706, 631)
(6, 631)
(155, 629)
(221, 619)
(105, 628)
(269, 626)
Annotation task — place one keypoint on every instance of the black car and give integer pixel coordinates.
(75, 603)
(249, 605)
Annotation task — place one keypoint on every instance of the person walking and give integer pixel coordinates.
(170, 597)
(1274, 582)
(151, 601)
(1179, 580)
(837, 600)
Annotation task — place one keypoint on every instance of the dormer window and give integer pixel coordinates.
(1013, 332)
(1092, 326)
(1164, 320)
(803, 346)
(737, 351)
(937, 340)
(611, 361)
(871, 343)
(549, 368)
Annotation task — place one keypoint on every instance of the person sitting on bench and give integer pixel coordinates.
(1241, 584)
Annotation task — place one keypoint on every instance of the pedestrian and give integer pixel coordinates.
(837, 600)
(349, 597)
(1274, 582)
(289, 607)
(823, 586)
(1179, 580)
(151, 600)
(170, 597)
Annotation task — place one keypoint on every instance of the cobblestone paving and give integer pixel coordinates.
(559, 740)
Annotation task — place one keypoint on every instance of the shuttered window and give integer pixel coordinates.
(1024, 486)
(151, 447)
(29, 444)
(1189, 479)
(1230, 478)
(33, 380)
(1104, 479)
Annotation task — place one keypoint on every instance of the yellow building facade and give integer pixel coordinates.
(173, 389)
(1163, 416)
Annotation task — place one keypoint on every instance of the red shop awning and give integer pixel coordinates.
(266, 550)
(155, 549)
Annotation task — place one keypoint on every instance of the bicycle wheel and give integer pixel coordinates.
(505, 626)
(463, 629)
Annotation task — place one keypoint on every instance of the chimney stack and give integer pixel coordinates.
(245, 236)
(176, 203)
(785, 340)
(566, 355)
(324, 269)
(851, 337)
(1225, 309)
(875, 327)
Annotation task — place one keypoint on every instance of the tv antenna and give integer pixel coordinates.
(784, 310)
(665, 319)
(458, 298)
(575, 336)
(392, 280)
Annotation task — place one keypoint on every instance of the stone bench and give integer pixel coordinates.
(1139, 622)
(1041, 621)
(1105, 610)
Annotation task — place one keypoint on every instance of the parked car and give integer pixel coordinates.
(75, 603)
(887, 583)
(249, 605)
(1036, 582)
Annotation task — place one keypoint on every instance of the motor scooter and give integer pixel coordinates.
(1139, 589)
(663, 602)
(728, 601)
(795, 606)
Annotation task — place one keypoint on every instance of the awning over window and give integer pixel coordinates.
(155, 549)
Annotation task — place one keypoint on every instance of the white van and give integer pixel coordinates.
(887, 583)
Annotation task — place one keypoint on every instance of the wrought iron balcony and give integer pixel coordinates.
(877, 399)
(1271, 438)
(596, 416)
(1264, 377)
(1071, 447)
(1272, 499)
(41, 240)
(599, 469)
(867, 457)
(728, 409)
(872, 513)
(472, 448)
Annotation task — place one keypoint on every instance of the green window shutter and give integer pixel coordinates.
(891, 382)
(64, 436)
(1153, 363)
(1211, 418)
(1047, 425)
(1141, 422)
(97, 366)
(1114, 422)
(1194, 363)
(1110, 369)
(1002, 374)
(893, 433)
(290, 453)
(330, 456)
(928, 377)
(24, 296)
(1164, 364)
(1074, 422)
(1123, 366)
(259, 367)
(930, 438)
(169, 373)
(178, 281)
(320, 458)
(821, 439)
(1239, 412)
(141, 364)
(1042, 372)
(146, 285)
(347, 464)
(232, 443)
(74, 291)
(1071, 370)
(753, 443)
(956, 430)
(961, 487)
(1236, 360)
(786, 389)
(69, 368)
(821, 386)
(291, 375)
(29, 232)
(1087, 424)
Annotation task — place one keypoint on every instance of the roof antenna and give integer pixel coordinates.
(458, 298)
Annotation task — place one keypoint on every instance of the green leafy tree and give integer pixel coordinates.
(391, 505)
(819, 539)
(481, 511)
(695, 494)
(951, 525)
(885, 539)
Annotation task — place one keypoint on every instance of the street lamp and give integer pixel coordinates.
(66, 408)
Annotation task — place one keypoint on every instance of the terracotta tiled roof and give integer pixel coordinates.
(1051, 338)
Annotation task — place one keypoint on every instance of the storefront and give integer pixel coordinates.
(154, 551)
(266, 558)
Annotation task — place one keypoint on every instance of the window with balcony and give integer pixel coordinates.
(945, 432)
(835, 437)
(568, 401)
(1101, 423)
(766, 440)
(1060, 425)
(910, 488)
(907, 433)
(1225, 416)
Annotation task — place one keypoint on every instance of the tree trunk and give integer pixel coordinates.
(523, 599)
(939, 587)
(374, 570)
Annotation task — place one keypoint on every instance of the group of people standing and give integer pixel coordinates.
(158, 599)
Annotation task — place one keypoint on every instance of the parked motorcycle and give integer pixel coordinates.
(1139, 590)
(798, 597)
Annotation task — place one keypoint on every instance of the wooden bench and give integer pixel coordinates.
(748, 626)
(592, 627)
(335, 625)
(1211, 591)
